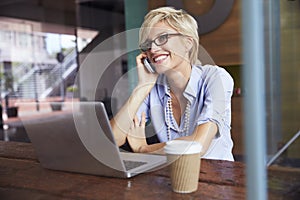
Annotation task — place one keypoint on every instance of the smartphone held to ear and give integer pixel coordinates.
(148, 65)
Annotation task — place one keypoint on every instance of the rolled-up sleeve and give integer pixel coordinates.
(217, 100)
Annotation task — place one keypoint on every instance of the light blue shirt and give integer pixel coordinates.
(209, 92)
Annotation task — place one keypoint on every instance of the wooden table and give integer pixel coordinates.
(22, 177)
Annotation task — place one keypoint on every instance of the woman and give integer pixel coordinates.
(182, 99)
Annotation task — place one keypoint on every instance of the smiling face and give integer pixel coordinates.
(171, 55)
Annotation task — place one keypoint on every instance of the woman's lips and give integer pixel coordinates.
(160, 58)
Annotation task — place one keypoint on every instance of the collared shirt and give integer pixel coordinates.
(209, 92)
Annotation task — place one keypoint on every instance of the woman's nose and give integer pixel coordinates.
(154, 47)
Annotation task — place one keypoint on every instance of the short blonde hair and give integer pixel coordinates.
(179, 20)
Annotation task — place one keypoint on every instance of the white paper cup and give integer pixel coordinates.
(184, 159)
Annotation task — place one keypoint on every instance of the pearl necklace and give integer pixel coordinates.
(169, 112)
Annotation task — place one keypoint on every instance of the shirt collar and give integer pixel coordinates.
(191, 89)
(162, 85)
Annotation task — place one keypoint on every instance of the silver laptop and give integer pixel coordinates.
(80, 139)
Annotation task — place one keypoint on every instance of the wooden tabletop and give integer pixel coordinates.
(22, 177)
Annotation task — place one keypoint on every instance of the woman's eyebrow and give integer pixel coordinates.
(159, 34)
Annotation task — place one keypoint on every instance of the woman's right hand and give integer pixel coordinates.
(121, 121)
(145, 77)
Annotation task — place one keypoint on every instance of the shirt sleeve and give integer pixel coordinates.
(144, 107)
(217, 100)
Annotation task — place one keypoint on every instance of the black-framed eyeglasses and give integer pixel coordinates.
(158, 41)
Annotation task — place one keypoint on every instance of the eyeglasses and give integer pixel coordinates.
(158, 41)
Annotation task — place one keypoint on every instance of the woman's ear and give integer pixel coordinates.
(188, 43)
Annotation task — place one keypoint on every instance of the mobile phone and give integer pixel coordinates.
(148, 65)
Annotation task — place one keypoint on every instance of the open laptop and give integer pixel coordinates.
(80, 139)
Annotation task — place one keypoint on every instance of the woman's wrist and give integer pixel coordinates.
(143, 88)
(142, 149)
(138, 95)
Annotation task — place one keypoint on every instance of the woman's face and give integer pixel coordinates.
(170, 55)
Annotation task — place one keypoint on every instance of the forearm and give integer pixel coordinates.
(122, 120)
(156, 148)
(204, 134)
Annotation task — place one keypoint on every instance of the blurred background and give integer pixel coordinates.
(44, 43)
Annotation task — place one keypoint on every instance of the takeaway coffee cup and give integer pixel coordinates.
(184, 160)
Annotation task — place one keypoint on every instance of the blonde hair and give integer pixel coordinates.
(178, 20)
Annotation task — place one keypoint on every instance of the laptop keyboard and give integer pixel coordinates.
(129, 164)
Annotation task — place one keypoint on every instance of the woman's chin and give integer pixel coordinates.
(161, 69)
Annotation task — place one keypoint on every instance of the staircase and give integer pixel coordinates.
(42, 81)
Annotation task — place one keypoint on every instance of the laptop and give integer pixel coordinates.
(80, 139)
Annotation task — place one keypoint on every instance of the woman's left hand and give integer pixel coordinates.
(136, 136)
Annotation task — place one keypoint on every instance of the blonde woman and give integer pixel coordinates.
(183, 100)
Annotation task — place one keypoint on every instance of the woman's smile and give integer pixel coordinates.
(159, 59)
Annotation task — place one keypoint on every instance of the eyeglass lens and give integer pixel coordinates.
(158, 41)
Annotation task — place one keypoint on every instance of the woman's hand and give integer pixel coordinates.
(145, 77)
(136, 136)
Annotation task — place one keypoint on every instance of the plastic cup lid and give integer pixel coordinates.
(182, 147)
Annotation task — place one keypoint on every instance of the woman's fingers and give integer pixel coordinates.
(139, 59)
(137, 129)
(143, 120)
(137, 123)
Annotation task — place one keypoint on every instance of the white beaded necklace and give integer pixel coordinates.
(169, 112)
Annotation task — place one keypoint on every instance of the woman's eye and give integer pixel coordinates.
(162, 38)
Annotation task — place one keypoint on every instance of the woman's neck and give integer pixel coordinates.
(178, 78)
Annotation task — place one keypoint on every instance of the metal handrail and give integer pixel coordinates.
(283, 148)
(56, 73)
(51, 79)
